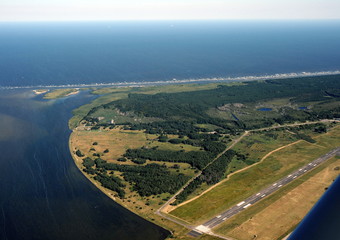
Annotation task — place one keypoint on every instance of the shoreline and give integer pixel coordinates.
(39, 92)
(77, 161)
(180, 81)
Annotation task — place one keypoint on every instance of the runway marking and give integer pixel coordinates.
(247, 205)
(203, 229)
(206, 228)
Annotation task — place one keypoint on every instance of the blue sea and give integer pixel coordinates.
(54, 53)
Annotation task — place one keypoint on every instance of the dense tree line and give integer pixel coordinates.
(210, 175)
(215, 171)
(155, 180)
(198, 159)
(305, 137)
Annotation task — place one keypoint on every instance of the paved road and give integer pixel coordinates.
(206, 227)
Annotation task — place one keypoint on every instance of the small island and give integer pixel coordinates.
(175, 154)
(60, 93)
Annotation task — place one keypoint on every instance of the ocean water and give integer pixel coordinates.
(110, 52)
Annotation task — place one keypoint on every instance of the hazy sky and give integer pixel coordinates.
(63, 10)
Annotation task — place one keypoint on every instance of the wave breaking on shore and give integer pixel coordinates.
(179, 81)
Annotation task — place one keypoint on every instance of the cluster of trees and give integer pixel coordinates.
(146, 180)
(79, 153)
(198, 159)
(153, 179)
(210, 175)
(111, 182)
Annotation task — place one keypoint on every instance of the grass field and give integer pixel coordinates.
(255, 146)
(248, 182)
(285, 208)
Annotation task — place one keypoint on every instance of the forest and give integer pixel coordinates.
(149, 179)
(197, 118)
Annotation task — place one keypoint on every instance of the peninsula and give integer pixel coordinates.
(178, 155)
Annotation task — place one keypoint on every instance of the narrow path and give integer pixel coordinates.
(238, 171)
(164, 209)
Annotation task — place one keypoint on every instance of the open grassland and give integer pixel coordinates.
(284, 209)
(60, 93)
(117, 141)
(82, 111)
(248, 182)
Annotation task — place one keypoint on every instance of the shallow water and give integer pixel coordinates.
(42, 193)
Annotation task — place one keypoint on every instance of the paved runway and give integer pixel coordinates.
(206, 227)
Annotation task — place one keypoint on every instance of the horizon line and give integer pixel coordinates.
(164, 20)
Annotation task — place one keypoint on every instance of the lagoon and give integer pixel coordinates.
(43, 195)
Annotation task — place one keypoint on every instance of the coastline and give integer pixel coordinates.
(156, 219)
(180, 81)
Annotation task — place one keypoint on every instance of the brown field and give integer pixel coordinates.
(275, 218)
(116, 140)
